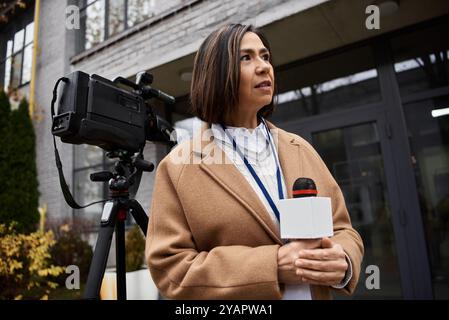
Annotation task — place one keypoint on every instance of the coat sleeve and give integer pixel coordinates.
(180, 271)
(344, 233)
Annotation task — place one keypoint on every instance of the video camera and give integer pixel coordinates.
(110, 114)
(116, 116)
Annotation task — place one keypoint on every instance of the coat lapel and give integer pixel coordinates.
(230, 178)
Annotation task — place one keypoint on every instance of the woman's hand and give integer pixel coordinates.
(326, 266)
(288, 254)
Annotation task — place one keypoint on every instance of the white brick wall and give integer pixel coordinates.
(51, 65)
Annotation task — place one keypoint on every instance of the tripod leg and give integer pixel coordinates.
(120, 255)
(101, 252)
(139, 215)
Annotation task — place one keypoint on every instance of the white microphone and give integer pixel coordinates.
(305, 216)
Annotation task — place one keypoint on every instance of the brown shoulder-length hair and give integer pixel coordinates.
(214, 91)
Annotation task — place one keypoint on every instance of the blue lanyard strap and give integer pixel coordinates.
(276, 160)
(256, 177)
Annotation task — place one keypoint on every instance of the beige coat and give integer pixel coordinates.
(210, 236)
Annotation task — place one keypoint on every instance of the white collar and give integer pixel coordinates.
(252, 141)
(258, 131)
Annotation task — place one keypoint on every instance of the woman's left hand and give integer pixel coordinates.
(325, 266)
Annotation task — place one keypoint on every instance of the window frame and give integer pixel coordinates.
(11, 37)
(106, 31)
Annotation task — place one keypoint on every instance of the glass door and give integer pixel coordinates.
(355, 146)
(428, 127)
(422, 75)
(353, 155)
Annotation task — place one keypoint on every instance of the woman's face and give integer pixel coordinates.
(256, 74)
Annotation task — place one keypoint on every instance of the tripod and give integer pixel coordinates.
(113, 218)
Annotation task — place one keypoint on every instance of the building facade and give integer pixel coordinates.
(372, 96)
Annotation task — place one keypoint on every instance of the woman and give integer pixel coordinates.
(213, 231)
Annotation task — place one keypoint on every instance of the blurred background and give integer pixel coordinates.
(372, 96)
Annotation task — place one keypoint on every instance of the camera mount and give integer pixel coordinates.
(113, 218)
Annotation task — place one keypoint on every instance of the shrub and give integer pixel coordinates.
(5, 110)
(135, 249)
(19, 194)
(25, 267)
(70, 248)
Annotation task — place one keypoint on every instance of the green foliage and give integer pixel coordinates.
(70, 249)
(25, 268)
(19, 194)
(5, 110)
(135, 249)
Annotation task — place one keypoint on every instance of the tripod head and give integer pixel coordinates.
(126, 175)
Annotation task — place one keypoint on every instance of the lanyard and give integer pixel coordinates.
(254, 174)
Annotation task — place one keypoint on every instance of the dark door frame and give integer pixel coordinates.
(415, 268)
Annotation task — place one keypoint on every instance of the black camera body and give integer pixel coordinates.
(116, 116)
(97, 111)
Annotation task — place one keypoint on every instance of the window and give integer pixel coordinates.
(327, 85)
(139, 10)
(425, 66)
(93, 22)
(116, 21)
(17, 61)
(102, 19)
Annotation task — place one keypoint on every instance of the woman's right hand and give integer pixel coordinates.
(287, 255)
